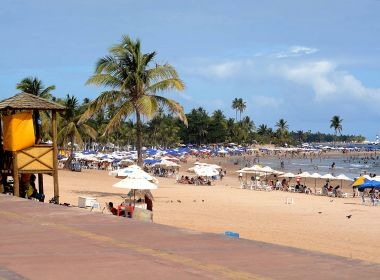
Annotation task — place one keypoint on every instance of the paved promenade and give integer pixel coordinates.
(46, 241)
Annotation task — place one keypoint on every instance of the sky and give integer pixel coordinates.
(301, 60)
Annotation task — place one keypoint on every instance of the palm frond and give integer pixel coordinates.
(125, 110)
(90, 131)
(104, 80)
(173, 106)
(167, 84)
(147, 105)
(104, 99)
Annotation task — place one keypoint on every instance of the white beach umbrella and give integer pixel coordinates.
(304, 174)
(342, 178)
(135, 184)
(288, 175)
(206, 171)
(328, 176)
(315, 176)
(134, 172)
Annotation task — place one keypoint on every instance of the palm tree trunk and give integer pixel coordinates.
(70, 159)
(139, 139)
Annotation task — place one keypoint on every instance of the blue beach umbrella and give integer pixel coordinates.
(369, 184)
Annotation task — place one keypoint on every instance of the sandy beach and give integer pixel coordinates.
(317, 223)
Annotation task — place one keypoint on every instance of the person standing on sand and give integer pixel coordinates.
(149, 203)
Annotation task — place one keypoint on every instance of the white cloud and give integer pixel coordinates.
(225, 69)
(328, 82)
(296, 51)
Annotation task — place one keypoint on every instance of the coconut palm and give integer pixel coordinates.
(241, 106)
(282, 126)
(133, 84)
(33, 85)
(336, 124)
(70, 130)
(235, 106)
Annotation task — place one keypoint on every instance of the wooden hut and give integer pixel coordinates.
(37, 158)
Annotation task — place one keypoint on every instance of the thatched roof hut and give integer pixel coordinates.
(26, 101)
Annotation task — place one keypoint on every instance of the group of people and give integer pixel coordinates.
(199, 180)
(122, 212)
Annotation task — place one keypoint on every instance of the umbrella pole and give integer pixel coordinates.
(134, 197)
(315, 185)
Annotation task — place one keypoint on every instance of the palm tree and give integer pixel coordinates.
(241, 106)
(336, 124)
(282, 125)
(282, 129)
(134, 84)
(70, 130)
(35, 86)
(262, 129)
(235, 106)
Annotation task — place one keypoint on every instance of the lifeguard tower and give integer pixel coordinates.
(21, 151)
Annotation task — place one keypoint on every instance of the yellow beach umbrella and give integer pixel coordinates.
(360, 180)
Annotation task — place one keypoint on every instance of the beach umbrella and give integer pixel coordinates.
(375, 184)
(360, 180)
(206, 171)
(342, 177)
(315, 176)
(133, 172)
(304, 174)
(287, 175)
(135, 184)
(328, 176)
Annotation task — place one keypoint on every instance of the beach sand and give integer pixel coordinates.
(256, 215)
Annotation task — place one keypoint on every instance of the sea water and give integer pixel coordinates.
(352, 165)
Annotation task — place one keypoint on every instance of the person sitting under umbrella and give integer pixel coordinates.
(114, 211)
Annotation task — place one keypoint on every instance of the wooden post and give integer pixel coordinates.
(40, 183)
(16, 181)
(55, 155)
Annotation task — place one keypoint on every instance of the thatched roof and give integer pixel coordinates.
(26, 101)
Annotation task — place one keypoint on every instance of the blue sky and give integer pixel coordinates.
(303, 61)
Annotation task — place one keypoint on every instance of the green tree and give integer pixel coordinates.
(70, 131)
(133, 84)
(235, 106)
(198, 126)
(217, 131)
(282, 130)
(241, 106)
(336, 124)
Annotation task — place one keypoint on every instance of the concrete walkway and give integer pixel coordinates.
(46, 241)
